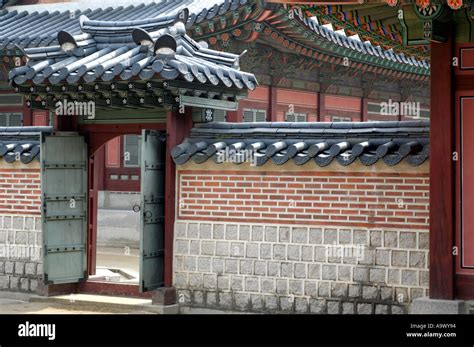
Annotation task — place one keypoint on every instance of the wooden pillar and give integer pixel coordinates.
(400, 115)
(67, 123)
(233, 116)
(96, 183)
(364, 109)
(272, 104)
(178, 127)
(321, 107)
(442, 172)
(27, 116)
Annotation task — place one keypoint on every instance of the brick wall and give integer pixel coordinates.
(20, 227)
(20, 190)
(314, 198)
(302, 239)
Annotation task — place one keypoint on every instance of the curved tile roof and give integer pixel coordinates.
(21, 143)
(357, 46)
(322, 143)
(25, 28)
(108, 50)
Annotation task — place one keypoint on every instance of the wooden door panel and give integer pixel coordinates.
(467, 183)
(64, 214)
(153, 210)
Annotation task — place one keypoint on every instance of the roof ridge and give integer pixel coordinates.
(391, 142)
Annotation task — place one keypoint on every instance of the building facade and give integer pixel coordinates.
(254, 252)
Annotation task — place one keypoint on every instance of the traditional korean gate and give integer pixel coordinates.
(152, 221)
(64, 216)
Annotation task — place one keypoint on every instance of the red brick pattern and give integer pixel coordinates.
(20, 191)
(316, 198)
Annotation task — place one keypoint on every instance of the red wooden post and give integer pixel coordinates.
(321, 107)
(272, 104)
(27, 116)
(233, 116)
(178, 127)
(96, 183)
(364, 109)
(441, 172)
(67, 123)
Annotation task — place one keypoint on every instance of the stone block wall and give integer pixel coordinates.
(21, 266)
(355, 243)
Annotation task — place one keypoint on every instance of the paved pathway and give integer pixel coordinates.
(18, 303)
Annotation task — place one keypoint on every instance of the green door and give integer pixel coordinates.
(153, 210)
(64, 217)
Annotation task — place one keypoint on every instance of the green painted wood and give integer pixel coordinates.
(126, 116)
(152, 224)
(464, 26)
(418, 29)
(64, 200)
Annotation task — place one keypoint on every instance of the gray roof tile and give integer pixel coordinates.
(135, 52)
(28, 29)
(369, 142)
(21, 143)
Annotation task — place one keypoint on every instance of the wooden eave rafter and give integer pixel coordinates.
(304, 37)
(381, 34)
(357, 59)
(229, 22)
(130, 94)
